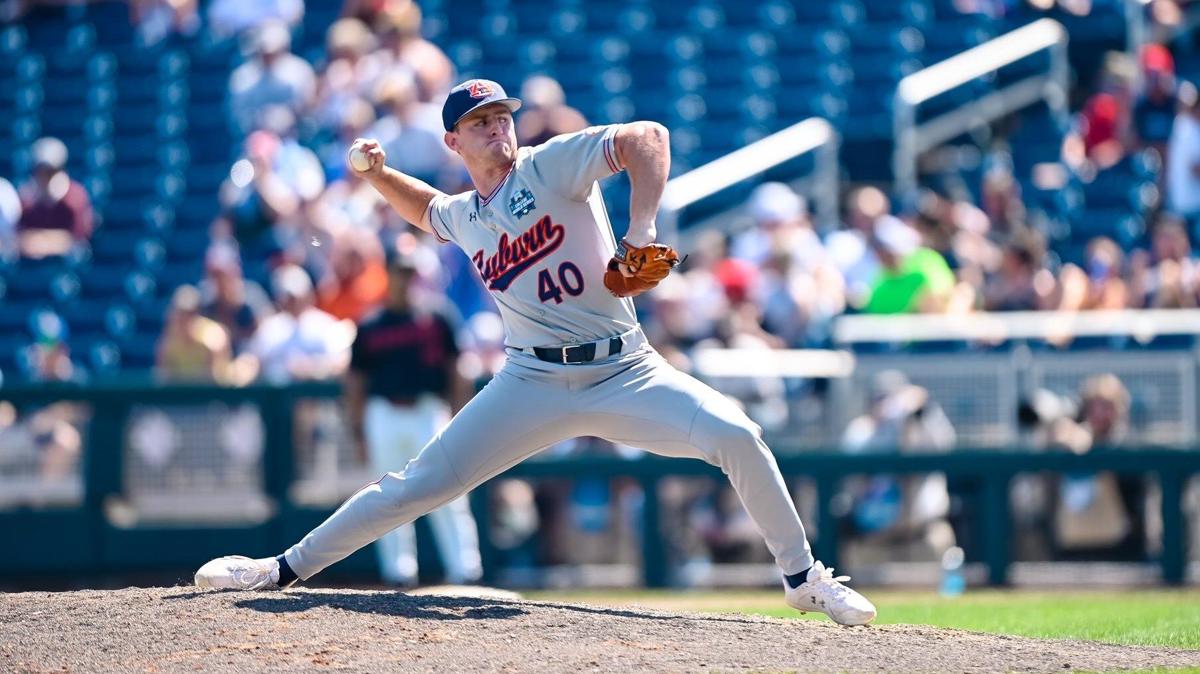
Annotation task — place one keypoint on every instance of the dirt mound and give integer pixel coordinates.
(182, 629)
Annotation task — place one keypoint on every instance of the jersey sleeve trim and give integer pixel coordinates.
(610, 148)
(431, 212)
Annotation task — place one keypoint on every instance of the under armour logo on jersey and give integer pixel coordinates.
(480, 89)
(511, 259)
(521, 203)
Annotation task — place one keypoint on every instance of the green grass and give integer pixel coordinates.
(1145, 617)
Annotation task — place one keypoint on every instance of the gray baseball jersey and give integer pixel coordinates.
(541, 240)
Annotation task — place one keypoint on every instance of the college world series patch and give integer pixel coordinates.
(521, 202)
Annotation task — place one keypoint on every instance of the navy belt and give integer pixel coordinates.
(578, 353)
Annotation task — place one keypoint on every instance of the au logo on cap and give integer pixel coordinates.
(480, 89)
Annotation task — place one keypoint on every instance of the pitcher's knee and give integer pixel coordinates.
(721, 437)
(405, 491)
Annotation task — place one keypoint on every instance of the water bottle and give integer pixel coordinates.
(953, 581)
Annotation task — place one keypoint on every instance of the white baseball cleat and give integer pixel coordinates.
(824, 593)
(239, 573)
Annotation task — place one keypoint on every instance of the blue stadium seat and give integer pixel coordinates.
(11, 348)
(15, 315)
(175, 274)
(115, 245)
(32, 279)
(852, 12)
(800, 50)
(138, 351)
(13, 40)
(532, 19)
(812, 13)
(105, 283)
(945, 39)
(187, 245)
(98, 355)
(84, 318)
(209, 86)
(151, 313)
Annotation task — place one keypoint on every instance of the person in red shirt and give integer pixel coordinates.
(356, 281)
(56, 211)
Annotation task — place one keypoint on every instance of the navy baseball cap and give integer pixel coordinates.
(472, 94)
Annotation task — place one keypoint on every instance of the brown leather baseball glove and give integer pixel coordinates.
(632, 271)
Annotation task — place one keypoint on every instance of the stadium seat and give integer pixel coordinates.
(138, 351)
(31, 280)
(15, 315)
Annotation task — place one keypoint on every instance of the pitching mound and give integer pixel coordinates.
(182, 629)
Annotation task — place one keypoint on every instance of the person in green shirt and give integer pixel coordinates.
(911, 278)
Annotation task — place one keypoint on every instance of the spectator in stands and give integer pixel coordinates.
(158, 19)
(1167, 277)
(1183, 158)
(256, 196)
(911, 278)
(685, 308)
(192, 347)
(263, 202)
(299, 166)
(850, 249)
(1101, 284)
(1154, 112)
(10, 215)
(351, 72)
(1105, 119)
(1000, 200)
(41, 444)
(349, 199)
(49, 357)
(228, 18)
(227, 297)
(410, 131)
(272, 76)
(1021, 283)
(951, 225)
(545, 113)
(368, 11)
(354, 122)
(798, 302)
(300, 341)
(56, 211)
(399, 29)
(780, 222)
(1100, 516)
(890, 518)
(356, 281)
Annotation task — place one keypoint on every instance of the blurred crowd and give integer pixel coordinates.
(773, 278)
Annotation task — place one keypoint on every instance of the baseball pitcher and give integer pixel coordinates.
(536, 229)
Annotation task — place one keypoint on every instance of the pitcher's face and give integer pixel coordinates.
(485, 136)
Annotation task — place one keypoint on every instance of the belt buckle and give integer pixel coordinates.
(565, 350)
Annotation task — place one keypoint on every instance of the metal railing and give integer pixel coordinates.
(1142, 325)
(811, 135)
(913, 138)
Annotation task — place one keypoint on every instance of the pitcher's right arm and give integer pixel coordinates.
(408, 196)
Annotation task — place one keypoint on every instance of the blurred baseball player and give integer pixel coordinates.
(403, 371)
(578, 364)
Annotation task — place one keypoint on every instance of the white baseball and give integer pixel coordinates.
(359, 159)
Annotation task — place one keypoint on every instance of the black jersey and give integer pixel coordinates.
(404, 354)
